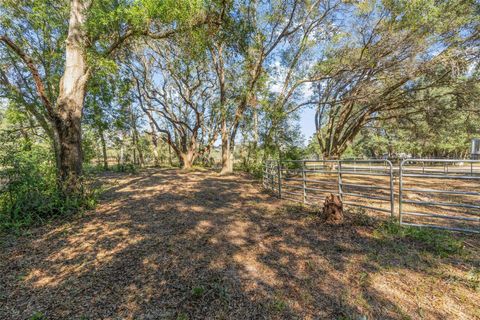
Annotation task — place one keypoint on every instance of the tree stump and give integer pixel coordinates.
(333, 209)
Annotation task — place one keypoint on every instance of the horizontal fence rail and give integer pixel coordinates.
(440, 193)
(356, 182)
(378, 174)
(431, 193)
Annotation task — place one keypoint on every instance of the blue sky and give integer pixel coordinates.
(307, 123)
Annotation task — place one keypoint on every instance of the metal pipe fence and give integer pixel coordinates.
(371, 184)
(308, 181)
(440, 194)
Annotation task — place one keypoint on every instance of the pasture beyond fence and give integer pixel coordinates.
(434, 193)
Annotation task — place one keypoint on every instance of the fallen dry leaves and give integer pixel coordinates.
(166, 244)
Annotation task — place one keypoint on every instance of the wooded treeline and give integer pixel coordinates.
(156, 82)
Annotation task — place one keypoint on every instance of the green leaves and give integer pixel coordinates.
(112, 23)
(169, 10)
(109, 16)
(433, 16)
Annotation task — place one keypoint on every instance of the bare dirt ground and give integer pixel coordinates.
(166, 244)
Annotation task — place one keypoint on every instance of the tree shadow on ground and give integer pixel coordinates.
(166, 244)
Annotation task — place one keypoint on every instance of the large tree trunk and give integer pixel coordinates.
(70, 138)
(188, 153)
(66, 117)
(136, 142)
(70, 100)
(187, 159)
(227, 163)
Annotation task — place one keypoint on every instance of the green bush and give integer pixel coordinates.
(127, 167)
(29, 193)
(254, 168)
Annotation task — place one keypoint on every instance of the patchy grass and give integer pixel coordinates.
(37, 316)
(169, 244)
(279, 305)
(197, 292)
(442, 243)
(473, 279)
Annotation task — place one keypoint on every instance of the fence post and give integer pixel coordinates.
(279, 171)
(304, 183)
(400, 187)
(392, 192)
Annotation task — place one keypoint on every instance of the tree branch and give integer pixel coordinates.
(35, 74)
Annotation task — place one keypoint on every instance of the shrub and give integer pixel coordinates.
(127, 167)
(29, 193)
(253, 168)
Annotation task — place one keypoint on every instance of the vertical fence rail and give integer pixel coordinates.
(340, 191)
(279, 175)
(392, 191)
(304, 183)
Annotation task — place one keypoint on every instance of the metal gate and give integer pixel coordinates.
(270, 176)
(308, 181)
(367, 179)
(436, 193)
(439, 193)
